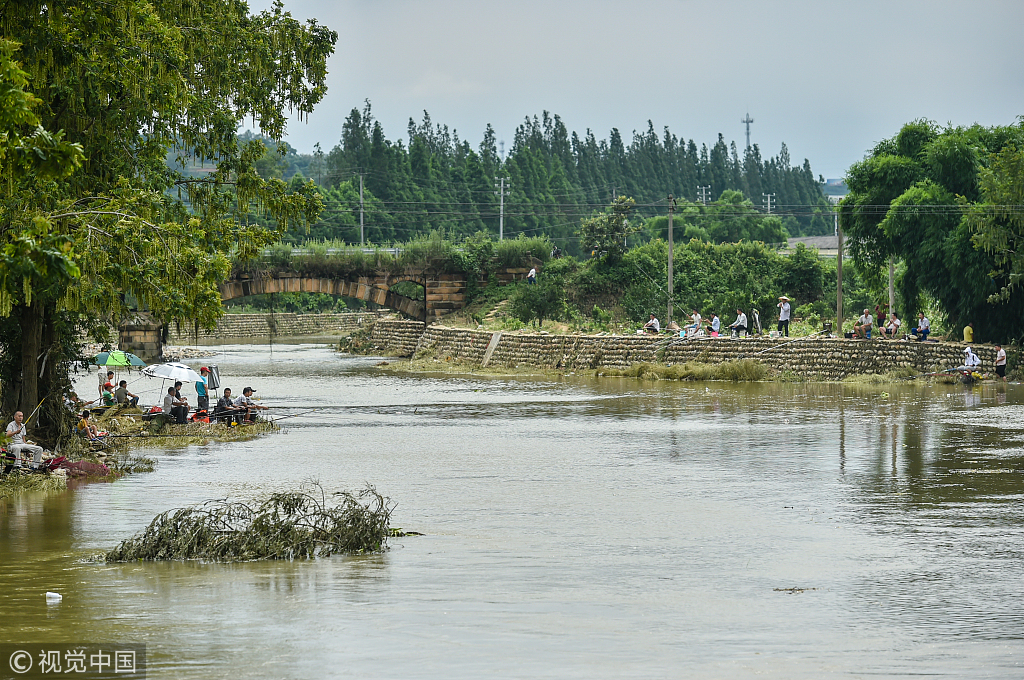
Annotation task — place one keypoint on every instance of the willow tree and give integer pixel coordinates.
(95, 216)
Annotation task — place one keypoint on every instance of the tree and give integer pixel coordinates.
(607, 233)
(913, 199)
(128, 81)
(998, 222)
(545, 300)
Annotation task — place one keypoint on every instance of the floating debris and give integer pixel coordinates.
(284, 526)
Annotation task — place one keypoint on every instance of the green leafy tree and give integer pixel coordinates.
(998, 221)
(607, 233)
(535, 303)
(102, 217)
(912, 199)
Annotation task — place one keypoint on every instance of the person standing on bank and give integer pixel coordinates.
(969, 333)
(1001, 362)
(203, 399)
(784, 311)
(17, 430)
(531, 278)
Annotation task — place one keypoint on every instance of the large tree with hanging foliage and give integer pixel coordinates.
(91, 214)
(914, 198)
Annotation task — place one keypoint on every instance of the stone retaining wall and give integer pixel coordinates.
(395, 336)
(828, 359)
(279, 325)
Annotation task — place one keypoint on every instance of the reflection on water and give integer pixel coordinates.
(575, 528)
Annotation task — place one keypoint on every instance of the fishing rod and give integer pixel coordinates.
(293, 415)
(27, 420)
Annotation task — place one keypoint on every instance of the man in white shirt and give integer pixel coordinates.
(923, 326)
(863, 326)
(740, 324)
(784, 315)
(17, 430)
(531, 278)
(249, 404)
(891, 329)
(176, 406)
(716, 325)
(1001, 362)
(652, 326)
(971, 360)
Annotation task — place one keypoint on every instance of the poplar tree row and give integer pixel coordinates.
(553, 179)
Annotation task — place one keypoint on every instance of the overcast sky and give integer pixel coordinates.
(827, 78)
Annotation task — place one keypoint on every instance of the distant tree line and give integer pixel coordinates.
(553, 180)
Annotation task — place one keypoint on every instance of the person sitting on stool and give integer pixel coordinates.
(740, 324)
(176, 406)
(17, 430)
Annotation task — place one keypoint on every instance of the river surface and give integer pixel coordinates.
(575, 528)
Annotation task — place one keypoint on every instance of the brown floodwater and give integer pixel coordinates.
(575, 528)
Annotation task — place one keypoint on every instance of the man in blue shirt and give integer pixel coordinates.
(204, 397)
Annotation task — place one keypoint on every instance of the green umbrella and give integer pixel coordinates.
(117, 358)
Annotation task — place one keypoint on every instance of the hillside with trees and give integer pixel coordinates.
(433, 179)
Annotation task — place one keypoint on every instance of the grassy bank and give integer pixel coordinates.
(743, 370)
(127, 433)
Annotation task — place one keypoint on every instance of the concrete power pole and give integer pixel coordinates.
(768, 202)
(748, 120)
(362, 233)
(702, 193)
(671, 208)
(500, 186)
(839, 275)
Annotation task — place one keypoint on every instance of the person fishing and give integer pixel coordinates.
(226, 410)
(249, 404)
(17, 430)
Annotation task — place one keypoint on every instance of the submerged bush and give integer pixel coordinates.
(284, 526)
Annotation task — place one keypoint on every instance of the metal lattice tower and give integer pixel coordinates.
(748, 120)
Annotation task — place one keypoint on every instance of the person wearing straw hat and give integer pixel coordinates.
(784, 311)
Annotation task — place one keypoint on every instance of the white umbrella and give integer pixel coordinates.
(172, 371)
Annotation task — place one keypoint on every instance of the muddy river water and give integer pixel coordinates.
(574, 527)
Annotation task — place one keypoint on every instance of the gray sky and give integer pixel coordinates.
(828, 78)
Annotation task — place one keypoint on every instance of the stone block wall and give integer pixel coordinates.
(141, 336)
(396, 336)
(278, 325)
(816, 358)
(829, 358)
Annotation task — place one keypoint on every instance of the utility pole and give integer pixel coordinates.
(768, 201)
(748, 120)
(839, 274)
(892, 286)
(671, 208)
(362, 233)
(702, 193)
(500, 186)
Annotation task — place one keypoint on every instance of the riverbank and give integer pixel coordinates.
(113, 456)
(809, 358)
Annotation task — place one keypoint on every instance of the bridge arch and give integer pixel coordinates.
(376, 290)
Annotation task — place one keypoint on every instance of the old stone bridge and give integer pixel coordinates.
(443, 293)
